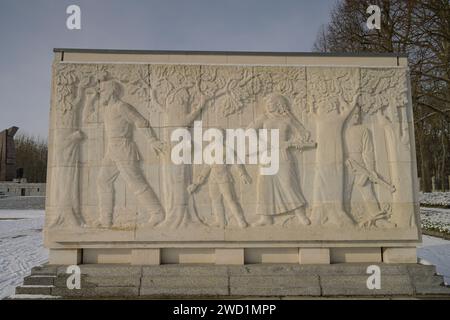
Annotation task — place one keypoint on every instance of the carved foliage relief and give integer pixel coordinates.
(344, 138)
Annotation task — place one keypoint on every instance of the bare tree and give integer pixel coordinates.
(32, 157)
(420, 29)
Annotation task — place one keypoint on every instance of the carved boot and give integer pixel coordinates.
(264, 221)
(384, 223)
(220, 221)
(106, 208)
(241, 222)
(105, 220)
(239, 216)
(153, 210)
(302, 218)
(156, 219)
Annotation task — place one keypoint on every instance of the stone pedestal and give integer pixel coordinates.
(400, 255)
(134, 177)
(314, 256)
(229, 256)
(65, 256)
(145, 257)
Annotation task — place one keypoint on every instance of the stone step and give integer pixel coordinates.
(44, 270)
(350, 285)
(90, 281)
(32, 297)
(39, 280)
(283, 280)
(34, 289)
(275, 285)
(125, 292)
(429, 285)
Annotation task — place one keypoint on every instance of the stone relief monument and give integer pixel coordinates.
(344, 189)
(8, 154)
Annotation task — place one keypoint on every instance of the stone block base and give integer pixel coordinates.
(400, 255)
(65, 256)
(233, 256)
(314, 256)
(259, 280)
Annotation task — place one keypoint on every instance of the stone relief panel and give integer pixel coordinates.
(344, 156)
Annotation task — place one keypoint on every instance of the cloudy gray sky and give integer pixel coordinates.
(30, 29)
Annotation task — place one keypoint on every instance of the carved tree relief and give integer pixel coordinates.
(352, 168)
(333, 96)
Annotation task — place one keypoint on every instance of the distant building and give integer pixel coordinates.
(21, 188)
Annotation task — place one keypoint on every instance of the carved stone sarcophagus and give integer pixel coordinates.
(228, 158)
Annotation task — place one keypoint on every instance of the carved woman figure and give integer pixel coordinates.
(65, 171)
(281, 193)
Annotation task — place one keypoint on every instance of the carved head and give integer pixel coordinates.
(110, 90)
(277, 104)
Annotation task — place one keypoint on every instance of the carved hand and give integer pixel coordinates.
(92, 93)
(287, 144)
(77, 136)
(192, 187)
(246, 179)
(142, 123)
(85, 82)
(293, 143)
(159, 147)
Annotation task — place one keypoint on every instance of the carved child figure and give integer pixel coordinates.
(221, 189)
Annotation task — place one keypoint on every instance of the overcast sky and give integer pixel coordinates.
(30, 29)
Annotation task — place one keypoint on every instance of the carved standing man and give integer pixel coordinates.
(122, 156)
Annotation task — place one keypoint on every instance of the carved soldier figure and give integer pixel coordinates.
(122, 156)
(362, 175)
(221, 188)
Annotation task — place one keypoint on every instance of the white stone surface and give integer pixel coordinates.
(346, 173)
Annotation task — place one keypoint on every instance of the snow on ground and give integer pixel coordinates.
(435, 219)
(436, 251)
(435, 199)
(21, 246)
